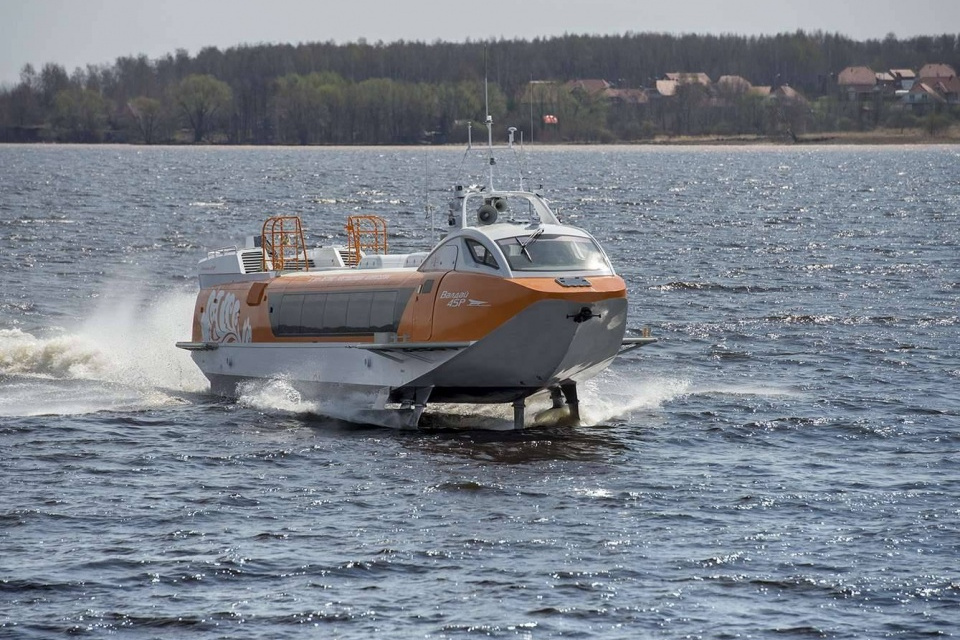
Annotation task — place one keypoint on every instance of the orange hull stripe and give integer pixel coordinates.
(459, 307)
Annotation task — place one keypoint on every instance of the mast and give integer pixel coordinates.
(493, 160)
(489, 120)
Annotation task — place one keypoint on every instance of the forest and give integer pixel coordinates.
(415, 92)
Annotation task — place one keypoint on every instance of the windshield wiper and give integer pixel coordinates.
(529, 241)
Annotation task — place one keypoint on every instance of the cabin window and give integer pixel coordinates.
(311, 319)
(335, 312)
(481, 254)
(338, 313)
(554, 252)
(444, 258)
(358, 309)
(383, 310)
(290, 307)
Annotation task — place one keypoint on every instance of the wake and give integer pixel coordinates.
(121, 358)
(606, 398)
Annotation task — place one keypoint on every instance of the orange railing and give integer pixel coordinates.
(366, 234)
(283, 246)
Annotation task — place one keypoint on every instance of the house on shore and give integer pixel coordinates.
(903, 79)
(667, 86)
(936, 85)
(686, 77)
(936, 71)
(605, 90)
(922, 96)
(857, 83)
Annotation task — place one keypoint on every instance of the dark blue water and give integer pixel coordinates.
(784, 463)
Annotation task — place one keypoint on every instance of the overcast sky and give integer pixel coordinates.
(79, 32)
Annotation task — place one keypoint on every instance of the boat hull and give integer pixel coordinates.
(544, 346)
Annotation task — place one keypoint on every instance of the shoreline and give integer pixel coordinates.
(879, 137)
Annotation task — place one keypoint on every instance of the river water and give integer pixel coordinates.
(785, 462)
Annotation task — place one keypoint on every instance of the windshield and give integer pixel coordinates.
(553, 252)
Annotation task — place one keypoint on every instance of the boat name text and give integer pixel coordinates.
(461, 298)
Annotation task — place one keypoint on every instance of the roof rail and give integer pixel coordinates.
(283, 247)
(366, 232)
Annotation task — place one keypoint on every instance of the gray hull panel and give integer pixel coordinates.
(540, 347)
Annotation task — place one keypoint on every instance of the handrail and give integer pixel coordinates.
(366, 232)
(222, 251)
(282, 242)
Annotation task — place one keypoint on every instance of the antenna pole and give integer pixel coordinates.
(521, 161)
(489, 121)
(530, 95)
(490, 148)
(486, 93)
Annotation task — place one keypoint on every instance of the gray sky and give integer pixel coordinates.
(79, 32)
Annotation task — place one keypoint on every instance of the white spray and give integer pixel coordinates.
(122, 357)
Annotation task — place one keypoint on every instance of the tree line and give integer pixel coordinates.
(411, 92)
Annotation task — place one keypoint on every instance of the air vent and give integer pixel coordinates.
(349, 256)
(252, 261)
(296, 264)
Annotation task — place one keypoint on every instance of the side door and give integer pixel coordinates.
(437, 265)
